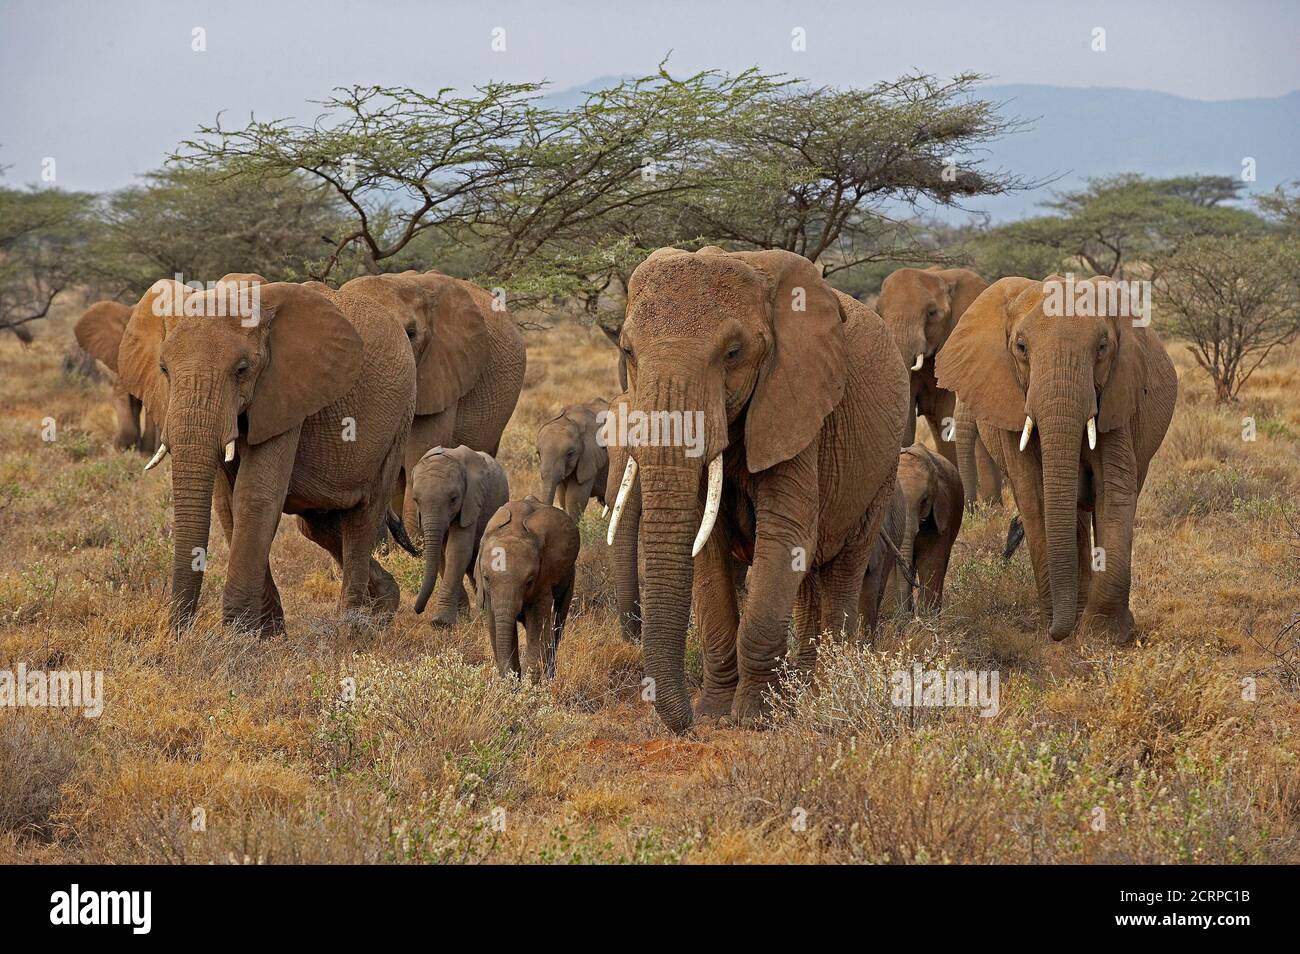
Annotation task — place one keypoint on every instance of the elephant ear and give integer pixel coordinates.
(459, 345)
(616, 337)
(946, 484)
(314, 359)
(1129, 374)
(476, 476)
(137, 356)
(976, 363)
(100, 330)
(964, 286)
(805, 368)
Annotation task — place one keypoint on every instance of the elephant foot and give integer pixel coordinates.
(444, 619)
(714, 705)
(385, 596)
(751, 709)
(1117, 626)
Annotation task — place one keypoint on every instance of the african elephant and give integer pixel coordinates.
(299, 405)
(623, 537)
(571, 458)
(469, 361)
(456, 490)
(1088, 398)
(925, 517)
(797, 398)
(99, 331)
(525, 575)
(921, 308)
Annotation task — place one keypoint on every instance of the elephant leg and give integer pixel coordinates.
(716, 617)
(576, 496)
(457, 554)
(256, 502)
(1116, 509)
(785, 542)
(932, 554)
(805, 616)
(539, 629)
(875, 580)
(366, 584)
(989, 475)
(842, 576)
(563, 597)
(271, 620)
(325, 529)
(125, 408)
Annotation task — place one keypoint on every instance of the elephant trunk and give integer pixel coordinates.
(553, 476)
(194, 438)
(906, 548)
(435, 529)
(505, 639)
(1066, 401)
(670, 512)
(966, 431)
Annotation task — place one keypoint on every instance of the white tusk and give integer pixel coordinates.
(1024, 435)
(230, 452)
(604, 511)
(920, 360)
(1092, 433)
(711, 503)
(625, 488)
(157, 457)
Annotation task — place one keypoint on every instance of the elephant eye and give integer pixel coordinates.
(1101, 347)
(1021, 347)
(733, 352)
(162, 366)
(241, 368)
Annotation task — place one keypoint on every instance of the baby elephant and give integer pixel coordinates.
(921, 524)
(456, 491)
(570, 458)
(525, 574)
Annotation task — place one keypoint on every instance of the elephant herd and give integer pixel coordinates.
(779, 484)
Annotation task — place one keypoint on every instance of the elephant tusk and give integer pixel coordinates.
(157, 457)
(711, 503)
(624, 488)
(920, 360)
(1024, 435)
(604, 511)
(1092, 433)
(230, 452)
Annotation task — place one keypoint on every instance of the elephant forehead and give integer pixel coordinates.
(211, 333)
(687, 294)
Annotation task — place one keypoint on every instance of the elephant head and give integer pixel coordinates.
(1021, 367)
(218, 378)
(449, 484)
(930, 496)
(921, 307)
(751, 345)
(567, 448)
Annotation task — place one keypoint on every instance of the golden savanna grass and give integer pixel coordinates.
(1152, 753)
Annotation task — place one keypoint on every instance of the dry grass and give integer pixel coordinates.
(213, 747)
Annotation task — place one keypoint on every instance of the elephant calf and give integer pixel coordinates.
(525, 575)
(456, 490)
(99, 331)
(922, 523)
(571, 460)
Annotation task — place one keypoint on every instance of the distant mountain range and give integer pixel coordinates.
(1080, 133)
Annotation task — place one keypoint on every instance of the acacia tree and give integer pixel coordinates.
(1234, 300)
(42, 238)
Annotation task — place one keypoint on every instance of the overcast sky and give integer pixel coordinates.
(107, 88)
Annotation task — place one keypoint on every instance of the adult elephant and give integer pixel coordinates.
(801, 398)
(300, 406)
(921, 307)
(99, 331)
(469, 362)
(1073, 409)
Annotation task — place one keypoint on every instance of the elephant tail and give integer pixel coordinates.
(394, 524)
(1015, 536)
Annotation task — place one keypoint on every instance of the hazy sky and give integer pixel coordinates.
(107, 88)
